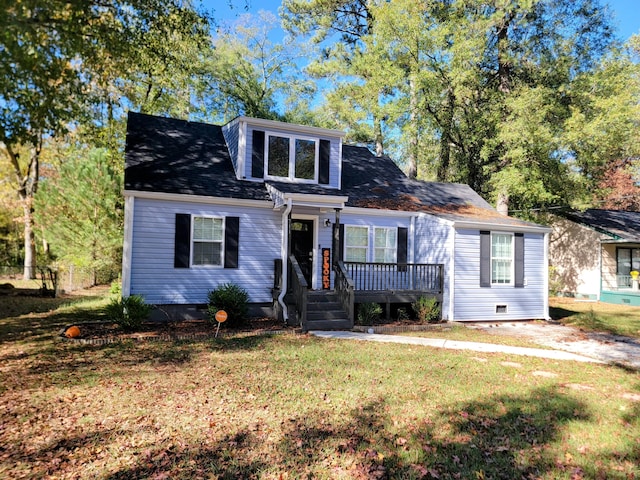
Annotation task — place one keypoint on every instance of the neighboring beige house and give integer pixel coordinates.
(593, 252)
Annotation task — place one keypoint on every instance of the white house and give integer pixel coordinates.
(207, 205)
(594, 252)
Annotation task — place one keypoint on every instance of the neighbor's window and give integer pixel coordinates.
(628, 259)
(207, 241)
(501, 258)
(385, 245)
(290, 157)
(356, 244)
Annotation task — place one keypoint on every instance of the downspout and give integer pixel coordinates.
(285, 269)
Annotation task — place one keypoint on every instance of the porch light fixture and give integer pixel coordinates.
(327, 222)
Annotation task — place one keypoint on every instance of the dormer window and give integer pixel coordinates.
(291, 158)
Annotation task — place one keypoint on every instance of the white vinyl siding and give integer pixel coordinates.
(475, 303)
(385, 245)
(502, 258)
(207, 238)
(356, 244)
(434, 244)
(152, 266)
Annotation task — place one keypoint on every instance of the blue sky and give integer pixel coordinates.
(626, 12)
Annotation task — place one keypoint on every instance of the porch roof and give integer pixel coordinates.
(617, 224)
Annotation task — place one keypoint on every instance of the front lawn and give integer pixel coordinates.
(596, 316)
(293, 406)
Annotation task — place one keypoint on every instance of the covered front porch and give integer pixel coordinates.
(619, 262)
(317, 281)
(356, 283)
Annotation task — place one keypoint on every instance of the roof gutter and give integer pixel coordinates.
(501, 226)
(283, 254)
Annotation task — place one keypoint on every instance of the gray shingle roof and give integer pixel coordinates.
(620, 225)
(176, 156)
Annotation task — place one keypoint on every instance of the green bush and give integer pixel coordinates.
(128, 312)
(116, 288)
(368, 313)
(427, 310)
(231, 298)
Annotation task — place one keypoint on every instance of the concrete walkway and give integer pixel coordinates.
(457, 345)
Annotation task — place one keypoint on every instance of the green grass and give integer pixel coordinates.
(300, 407)
(596, 316)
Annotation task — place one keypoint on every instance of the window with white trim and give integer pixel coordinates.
(356, 244)
(208, 235)
(385, 244)
(501, 258)
(291, 157)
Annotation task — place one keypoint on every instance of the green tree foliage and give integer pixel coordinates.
(247, 74)
(56, 58)
(80, 209)
(500, 95)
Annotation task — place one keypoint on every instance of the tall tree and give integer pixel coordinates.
(247, 74)
(80, 208)
(52, 55)
(360, 94)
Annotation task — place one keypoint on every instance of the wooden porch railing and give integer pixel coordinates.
(299, 289)
(343, 285)
(421, 277)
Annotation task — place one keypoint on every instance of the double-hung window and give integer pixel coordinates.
(356, 244)
(208, 238)
(501, 258)
(292, 158)
(385, 245)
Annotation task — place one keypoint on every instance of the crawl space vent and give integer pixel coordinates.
(501, 309)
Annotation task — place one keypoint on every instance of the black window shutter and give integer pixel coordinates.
(231, 236)
(485, 258)
(182, 247)
(323, 170)
(257, 154)
(403, 241)
(519, 260)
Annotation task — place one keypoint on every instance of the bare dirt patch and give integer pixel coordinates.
(176, 330)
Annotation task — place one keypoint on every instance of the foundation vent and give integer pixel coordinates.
(501, 309)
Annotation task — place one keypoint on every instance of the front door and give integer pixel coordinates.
(302, 246)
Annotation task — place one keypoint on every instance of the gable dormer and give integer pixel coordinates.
(267, 150)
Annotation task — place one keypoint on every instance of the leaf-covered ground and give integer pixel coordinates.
(293, 406)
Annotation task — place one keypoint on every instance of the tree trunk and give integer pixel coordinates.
(442, 173)
(412, 160)
(27, 188)
(502, 204)
(377, 131)
(29, 272)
